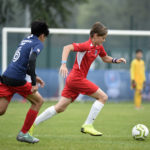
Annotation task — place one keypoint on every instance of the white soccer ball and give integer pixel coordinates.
(140, 132)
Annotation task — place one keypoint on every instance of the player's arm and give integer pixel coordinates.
(31, 67)
(66, 50)
(132, 70)
(31, 71)
(109, 59)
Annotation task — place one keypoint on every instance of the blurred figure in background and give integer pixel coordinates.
(137, 72)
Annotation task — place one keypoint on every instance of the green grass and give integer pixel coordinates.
(63, 131)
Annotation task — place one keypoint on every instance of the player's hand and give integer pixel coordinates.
(120, 60)
(63, 70)
(133, 84)
(34, 88)
(40, 81)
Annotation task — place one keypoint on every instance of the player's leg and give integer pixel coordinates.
(3, 105)
(101, 98)
(67, 97)
(138, 95)
(53, 110)
(36, 103)
(137, 98)
(97, 106)
(5, 97)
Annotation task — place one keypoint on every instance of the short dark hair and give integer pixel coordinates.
(39, 27)
(139, 50)
(98, 28)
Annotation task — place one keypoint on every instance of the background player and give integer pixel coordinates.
(77, 83)
(137, 72)
(13, 79)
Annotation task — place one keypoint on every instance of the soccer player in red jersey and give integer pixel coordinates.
(13, 79)
(77, 83)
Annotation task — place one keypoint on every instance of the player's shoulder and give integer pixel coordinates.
(25, 41)
(134, 61)
(36, 41)
(88, 44)
(33, 38)
(142, 61)
(84, 45)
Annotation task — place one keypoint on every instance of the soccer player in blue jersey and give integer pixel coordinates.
(13, 79)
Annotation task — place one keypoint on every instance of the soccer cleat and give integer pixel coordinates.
(90, 130)
(26, 138)
(31, 130)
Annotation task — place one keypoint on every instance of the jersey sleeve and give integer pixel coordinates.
(132, 70)
(38, 48)
(80, 47)
(102, 52)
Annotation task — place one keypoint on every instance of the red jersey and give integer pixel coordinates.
(86, 54)
(76, 82)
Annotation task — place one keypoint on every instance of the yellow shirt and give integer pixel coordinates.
(137, 71)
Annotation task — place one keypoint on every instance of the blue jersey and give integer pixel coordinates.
(17, 69)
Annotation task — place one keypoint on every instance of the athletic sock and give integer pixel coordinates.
(96, 108)
(30, 118)
(48, 113)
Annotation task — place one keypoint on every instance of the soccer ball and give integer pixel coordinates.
(140, 132)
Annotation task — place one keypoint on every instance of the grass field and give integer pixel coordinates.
(63, 131)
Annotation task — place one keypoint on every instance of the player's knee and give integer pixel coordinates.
(2, 112)
(103, 98)
(60, 109)
(40, 102)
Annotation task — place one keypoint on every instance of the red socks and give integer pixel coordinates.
(30, 118)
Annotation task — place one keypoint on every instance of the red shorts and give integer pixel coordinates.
(9, 91)
(74, 87)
